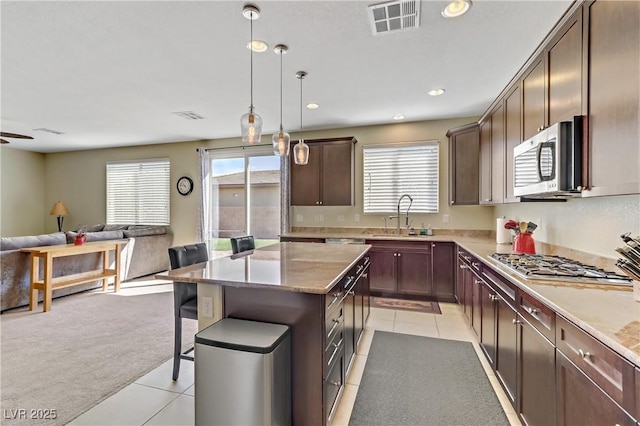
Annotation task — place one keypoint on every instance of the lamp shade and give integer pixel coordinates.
(59, 209)
(301, 153)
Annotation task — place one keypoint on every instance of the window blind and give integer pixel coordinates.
(391, 171)
(138, 192)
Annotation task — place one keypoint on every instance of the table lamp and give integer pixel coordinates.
(59, 209)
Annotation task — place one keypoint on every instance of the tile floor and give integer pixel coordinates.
(155, 399)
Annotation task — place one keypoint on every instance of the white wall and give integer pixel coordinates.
(592, 225)
(23, 210)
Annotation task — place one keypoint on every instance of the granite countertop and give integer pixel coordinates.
(298, 267)
(607, 312)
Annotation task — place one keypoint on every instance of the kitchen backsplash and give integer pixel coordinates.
(591, 225)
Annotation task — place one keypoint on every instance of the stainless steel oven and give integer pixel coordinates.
(550, 163)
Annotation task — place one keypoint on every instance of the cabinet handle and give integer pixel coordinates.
(487, 200)
(532, 311)
(515, 321)
(336, 320)
(583, 354)
(399, 254)
(351, 293)
(320, 202)
(395, 254)
(475, 264)
(317, 202)
(453, 202)
(494, 298)
(336, 384)
(463, 266)
(433, 245)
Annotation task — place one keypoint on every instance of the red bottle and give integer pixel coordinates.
(523, 243)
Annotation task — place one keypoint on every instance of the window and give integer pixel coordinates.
(393, 170)
(138, 192)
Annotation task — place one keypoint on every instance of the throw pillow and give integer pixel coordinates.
(14, 243)
(115, 227)
(145, 231)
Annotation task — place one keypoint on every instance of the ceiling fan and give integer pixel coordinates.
(12, 135)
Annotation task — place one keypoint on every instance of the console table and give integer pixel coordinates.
(49, 283)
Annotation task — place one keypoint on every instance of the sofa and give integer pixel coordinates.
(145, 252)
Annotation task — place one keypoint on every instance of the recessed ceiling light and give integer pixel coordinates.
(313, 106)
(257, 46)
(436, 92)
(398, 117)
(456, 8)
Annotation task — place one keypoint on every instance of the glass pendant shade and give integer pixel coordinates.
(301, 153)
(251, 126)
(281, 143)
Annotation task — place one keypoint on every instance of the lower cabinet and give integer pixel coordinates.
(488, 301)
(537, 376)
(413, 269)
(506, 361)
(582, 402)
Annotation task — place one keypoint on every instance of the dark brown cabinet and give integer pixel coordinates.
(506, 362)
(537, 376)
(513, 137)
(613, 49)
(565, 76)
(485, 161)
(464, 151)
(493, 157)
(581, 402)
(413, 269)
(488, 299)
(328, 178)
(533, 98)
(443, 271)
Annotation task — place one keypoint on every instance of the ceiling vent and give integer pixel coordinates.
(189, 115)
(394, 16)
(44, 129)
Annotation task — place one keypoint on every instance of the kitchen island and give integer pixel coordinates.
(319, 290)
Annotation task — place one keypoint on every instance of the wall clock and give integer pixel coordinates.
(185, 185)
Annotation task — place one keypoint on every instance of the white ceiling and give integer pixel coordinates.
(110, 73)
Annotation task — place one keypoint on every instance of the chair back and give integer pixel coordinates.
(181, 256)
(240, 244)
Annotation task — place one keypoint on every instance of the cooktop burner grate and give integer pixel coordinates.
(557, 268)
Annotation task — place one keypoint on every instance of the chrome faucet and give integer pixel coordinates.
(398, 210)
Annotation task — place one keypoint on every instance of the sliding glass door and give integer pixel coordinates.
(245, 196)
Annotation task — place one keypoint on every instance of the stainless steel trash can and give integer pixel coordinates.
(243, 374)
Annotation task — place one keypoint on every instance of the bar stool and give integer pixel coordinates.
(240, 244)
(185, 297)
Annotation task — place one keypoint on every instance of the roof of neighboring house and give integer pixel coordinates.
(261, 177)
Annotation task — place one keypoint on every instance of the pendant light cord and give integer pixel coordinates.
(301, 77)
(281, 53)
(251, 56)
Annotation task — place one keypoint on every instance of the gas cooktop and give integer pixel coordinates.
(556, 268)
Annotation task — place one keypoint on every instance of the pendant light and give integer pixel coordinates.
(301, 149)
(251, 123)
(281, 140)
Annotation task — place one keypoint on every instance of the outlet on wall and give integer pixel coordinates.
(207, 307)
(299, 218)
(356, 217)
(445, 218)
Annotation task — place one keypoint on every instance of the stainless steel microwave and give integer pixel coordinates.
(549, 164)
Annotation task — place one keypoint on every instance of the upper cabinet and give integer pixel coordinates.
(613, 51)
(512, 135)
(328, 178)
(464, 148)
(533, 98)
(492, 158)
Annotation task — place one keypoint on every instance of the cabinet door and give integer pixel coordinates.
(513, 137)
(537, 377)
(366, 298)
(485, 161)
(305, 180)
(533, 99)
(506, 348)
(460, 277)
(488, 329)
(497, 156)
(413, 272)
(468, 293)
(337, 174)
(442, 280)
(581, 402)
(565, 72)
(349, 329)
(476, 308)
(382, 272)
(464, 151)
(614, 97)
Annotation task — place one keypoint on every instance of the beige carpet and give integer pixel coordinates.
(89, 346)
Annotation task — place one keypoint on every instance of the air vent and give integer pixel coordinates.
(189, 115)
(394, 16)
(44, 129)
